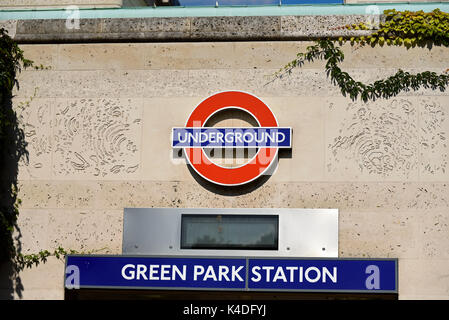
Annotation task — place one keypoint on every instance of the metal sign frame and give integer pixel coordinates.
(302, 232)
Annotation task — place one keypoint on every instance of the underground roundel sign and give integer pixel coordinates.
(267, 138)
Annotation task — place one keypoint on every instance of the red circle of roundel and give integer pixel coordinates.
(252, 169)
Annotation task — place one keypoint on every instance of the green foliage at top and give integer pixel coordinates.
(408, 28)
(11, 63)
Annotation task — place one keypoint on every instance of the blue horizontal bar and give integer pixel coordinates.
(224, 3)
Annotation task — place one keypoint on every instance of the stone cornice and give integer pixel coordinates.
(156, 29)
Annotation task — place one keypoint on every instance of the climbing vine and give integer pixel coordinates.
(12, 149)
(400, 28)
(12, 141)
(28, 260)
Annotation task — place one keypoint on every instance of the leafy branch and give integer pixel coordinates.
(27, 261)
(408, 28)
(23, 261)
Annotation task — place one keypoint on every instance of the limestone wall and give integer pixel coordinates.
(98, 125)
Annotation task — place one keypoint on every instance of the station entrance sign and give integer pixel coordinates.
(224, 273)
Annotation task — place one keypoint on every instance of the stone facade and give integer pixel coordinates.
(215, 28)
(98, 123)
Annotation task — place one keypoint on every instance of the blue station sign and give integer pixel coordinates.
(243, 274)
(254, 137)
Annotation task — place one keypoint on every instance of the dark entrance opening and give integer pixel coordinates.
(128, 294)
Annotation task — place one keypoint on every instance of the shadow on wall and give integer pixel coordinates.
(178, 153)
(243, 189)
(12, 149)
(229, 190)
